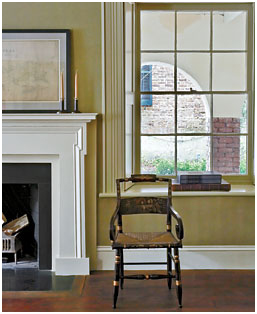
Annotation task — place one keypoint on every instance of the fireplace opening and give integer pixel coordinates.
(26, 208)
(19, 200)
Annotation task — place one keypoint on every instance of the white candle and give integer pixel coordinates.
(76, 85)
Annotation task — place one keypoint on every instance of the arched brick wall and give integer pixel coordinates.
(193, 116)
(154, 118)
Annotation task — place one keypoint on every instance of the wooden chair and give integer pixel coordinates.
(132, 240)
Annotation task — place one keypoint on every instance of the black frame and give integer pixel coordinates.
(67, 100)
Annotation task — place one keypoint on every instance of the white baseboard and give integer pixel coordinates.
(72, 266)
(191, 257)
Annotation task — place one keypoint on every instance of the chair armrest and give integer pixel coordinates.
(179, 225)
(112, 221)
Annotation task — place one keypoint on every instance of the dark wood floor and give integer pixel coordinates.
(203, 290)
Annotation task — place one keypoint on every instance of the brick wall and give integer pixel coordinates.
(226, 149)
(159, 118)
(192, 116)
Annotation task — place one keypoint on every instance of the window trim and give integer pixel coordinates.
(237, 178)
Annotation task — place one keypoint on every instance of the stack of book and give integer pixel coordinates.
(200, 181)
(194, 177)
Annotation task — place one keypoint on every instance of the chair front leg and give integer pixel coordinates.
(121, 269)
(116, 278)
(169, 267)
(178, 277)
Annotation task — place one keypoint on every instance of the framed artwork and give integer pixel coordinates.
(35, 70)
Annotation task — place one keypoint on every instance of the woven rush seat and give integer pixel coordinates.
(145, 240)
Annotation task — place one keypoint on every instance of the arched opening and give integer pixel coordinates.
(158, 117)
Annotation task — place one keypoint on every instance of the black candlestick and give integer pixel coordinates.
(61, 103)
(76, 106)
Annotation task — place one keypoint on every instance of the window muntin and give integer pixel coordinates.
(199, 40)
(198, 66)
(205, 55)
(193, 113)
(229, 71)
(224, 35)
(152, 22)
(158, 154)
(160, 117)
(162, 71)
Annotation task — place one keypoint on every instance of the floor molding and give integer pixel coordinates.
(191, 257)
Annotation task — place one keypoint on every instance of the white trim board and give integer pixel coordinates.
(191, 257)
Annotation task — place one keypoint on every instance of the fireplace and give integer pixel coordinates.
(59, 140)
(26, 190)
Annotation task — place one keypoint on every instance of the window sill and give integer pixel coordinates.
(157, 191)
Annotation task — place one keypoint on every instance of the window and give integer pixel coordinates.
(194, 65)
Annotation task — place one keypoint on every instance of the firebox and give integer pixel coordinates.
(26, 191)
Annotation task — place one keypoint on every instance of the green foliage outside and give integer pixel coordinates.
(166, 167)
(243, 166)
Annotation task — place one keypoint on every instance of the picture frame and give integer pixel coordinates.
(35, 68)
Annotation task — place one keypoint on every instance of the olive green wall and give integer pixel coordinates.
(84, 21)
(207, 220)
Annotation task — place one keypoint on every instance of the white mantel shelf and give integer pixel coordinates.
(48, 116)
(61, 140)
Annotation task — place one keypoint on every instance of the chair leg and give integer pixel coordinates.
(121, 269)
(116, 278)
(178, 277)
(169, 267)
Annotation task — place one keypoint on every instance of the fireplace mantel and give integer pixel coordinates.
(61, 140)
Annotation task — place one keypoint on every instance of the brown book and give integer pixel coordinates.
(223, 186)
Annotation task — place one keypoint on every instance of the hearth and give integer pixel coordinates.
(27, 191)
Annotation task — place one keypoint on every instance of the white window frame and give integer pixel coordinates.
(235, 178)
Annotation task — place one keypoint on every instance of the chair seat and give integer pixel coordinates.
(145, 240)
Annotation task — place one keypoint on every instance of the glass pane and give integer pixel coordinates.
(193, 113)
(157, 114)
(157, 72)
(193, 71)
(230, 113)
(193, 153)
(193, 31)
(229, 71)
(229, 154)
(157, 154)
(157, 30)
(229, 30)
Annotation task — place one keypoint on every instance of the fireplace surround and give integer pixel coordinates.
(61, 141)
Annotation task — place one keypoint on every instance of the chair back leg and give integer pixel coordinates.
(169, 267)
(116, 278)
(178, 277)
(121, 269)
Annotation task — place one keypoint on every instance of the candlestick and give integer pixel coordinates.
(76, 106)
(61, 101)
(76, 85)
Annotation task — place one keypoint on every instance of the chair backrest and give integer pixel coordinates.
(144, 205)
